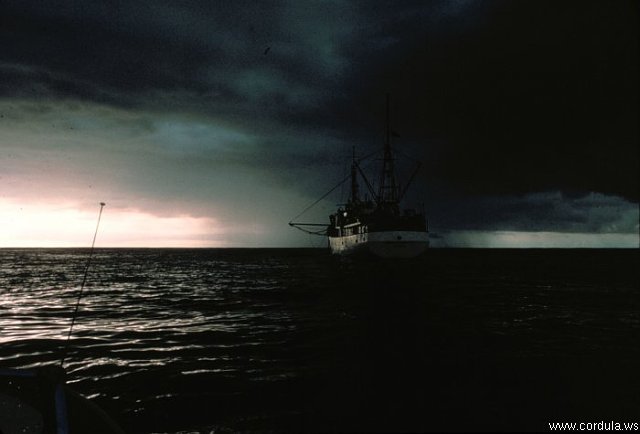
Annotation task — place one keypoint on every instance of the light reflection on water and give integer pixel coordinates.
(194, 329)
(148, 316)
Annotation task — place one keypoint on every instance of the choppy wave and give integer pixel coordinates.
(202, 340)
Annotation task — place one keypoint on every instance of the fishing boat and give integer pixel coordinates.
(376, 224)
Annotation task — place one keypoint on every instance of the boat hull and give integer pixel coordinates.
(38, 400)
(387, 244)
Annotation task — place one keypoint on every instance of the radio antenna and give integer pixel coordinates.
(84, 280)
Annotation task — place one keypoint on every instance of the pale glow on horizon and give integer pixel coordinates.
(68, 225)
(532, 240)
(42, 224)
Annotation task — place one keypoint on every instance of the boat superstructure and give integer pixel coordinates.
(376, 223)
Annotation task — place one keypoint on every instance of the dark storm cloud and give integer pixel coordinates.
(522, 96)
(499, 99)
(126, 53)
(199, 57)
(593, 213)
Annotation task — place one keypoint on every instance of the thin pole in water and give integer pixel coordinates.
(84, 280)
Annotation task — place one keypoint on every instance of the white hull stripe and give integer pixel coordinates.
(384, 244)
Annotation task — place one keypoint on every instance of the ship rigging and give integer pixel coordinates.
(374, 224)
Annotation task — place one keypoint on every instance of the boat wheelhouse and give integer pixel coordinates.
(376, 224)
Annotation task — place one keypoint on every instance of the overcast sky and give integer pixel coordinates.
(213, 123)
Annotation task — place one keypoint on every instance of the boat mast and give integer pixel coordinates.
(355, 196)
(388, 192)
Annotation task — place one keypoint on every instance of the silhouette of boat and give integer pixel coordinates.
(39, 401)
(375, 224)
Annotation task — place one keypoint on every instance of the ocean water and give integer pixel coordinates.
(228, 340)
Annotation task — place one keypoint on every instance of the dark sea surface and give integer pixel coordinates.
(227, 340)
